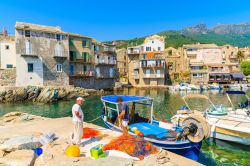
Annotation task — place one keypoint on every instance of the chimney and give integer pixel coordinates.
(5, 32)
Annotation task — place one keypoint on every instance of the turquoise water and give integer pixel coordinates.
(214, 152)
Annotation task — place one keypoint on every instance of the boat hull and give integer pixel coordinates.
(184, 148)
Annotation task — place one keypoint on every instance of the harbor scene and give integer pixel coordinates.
(133, 83)
(213, 152)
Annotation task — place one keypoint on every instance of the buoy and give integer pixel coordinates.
(38, 151)
(73, 151)
(141, 134)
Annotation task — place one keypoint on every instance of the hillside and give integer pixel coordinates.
(235, 34)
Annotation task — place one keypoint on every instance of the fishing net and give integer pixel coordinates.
(133, 146)
(89, 132)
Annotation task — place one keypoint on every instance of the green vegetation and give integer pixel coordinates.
(177, 39)
(245, 65)
(240, 56)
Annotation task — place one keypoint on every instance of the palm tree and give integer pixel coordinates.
(240, 56)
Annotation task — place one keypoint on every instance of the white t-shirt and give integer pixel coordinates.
(76, 108)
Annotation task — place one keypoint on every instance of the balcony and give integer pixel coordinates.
(108, 49)
(136, 76)
(133, 51)
(162, 65)
(103, 76)
(83, 74)
(89, 60)
(29, 55)
(105, 62)
(60, 56)
(218, 70)
(153, 76)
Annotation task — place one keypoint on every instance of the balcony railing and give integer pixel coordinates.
(133, 51)
(103, 76)
(136, 76)
(153, 76)
(108, 49)
(88, 60)
(83, 74)
(153, 65)
(106, 62)
(218, 70)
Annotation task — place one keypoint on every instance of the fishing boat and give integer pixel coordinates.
(185, 140)
(226, 123)
(215, 86)
(194, 87)
(238, 87)
(184, 87)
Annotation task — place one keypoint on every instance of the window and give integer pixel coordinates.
(153, 41)
(7, 47)
(85, 43)
(72, 55)
(27, 33)
(8, 66)
(148, 48)
(58, 50)
(84, 68)
(30, 67)
(59, 67)
(124, 57)
(28, 47)
(159, 48)
(58, 37)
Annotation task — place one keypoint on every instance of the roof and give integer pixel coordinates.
(78, 35)
(36, 27)
(200, 46)
(127, 99)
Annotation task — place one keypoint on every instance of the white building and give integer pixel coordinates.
(7, 53)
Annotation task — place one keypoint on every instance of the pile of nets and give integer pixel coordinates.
(89, 132)
(133, 146)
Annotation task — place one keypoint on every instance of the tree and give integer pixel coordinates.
(240, 56)
(245, 66)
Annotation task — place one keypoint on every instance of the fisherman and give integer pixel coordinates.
(124, 114)
(77, 119)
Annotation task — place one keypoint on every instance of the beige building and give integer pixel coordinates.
(81, 61)
(146, 63)
(229, 55)
(177, 66)
(122, 65)
(42, 55)
(206, 64)
(246, 52)
(7, 52)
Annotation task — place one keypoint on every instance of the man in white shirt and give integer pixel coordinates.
(77, 119)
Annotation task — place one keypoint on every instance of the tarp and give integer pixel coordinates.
(127, 99)
(238, 75)
(236, 92)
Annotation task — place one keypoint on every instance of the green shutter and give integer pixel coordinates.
(71, 42)
(74, 55)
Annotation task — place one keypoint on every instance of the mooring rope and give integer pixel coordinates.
(93, 119)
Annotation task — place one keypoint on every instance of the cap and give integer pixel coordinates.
(80, 98)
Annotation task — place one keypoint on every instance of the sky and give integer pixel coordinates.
(122, 19)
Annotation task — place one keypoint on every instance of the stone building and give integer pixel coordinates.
(7, 52)
(206, 64)
(246, 52)
(81, 59)
(146, 63)
(42, 54)
(122, 65)
(105, 64)
(177, 66)
(229, 56)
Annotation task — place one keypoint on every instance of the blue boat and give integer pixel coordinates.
(162, 134)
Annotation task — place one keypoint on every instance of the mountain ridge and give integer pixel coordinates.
(233, 34)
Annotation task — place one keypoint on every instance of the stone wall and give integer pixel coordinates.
(8, 77)
(44, 46)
